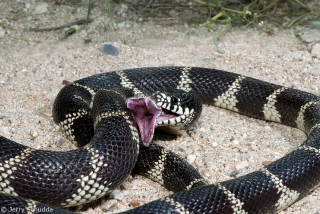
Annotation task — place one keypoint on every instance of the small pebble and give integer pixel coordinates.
(109, 49)
(108, 204)
(214, 144)
(182, 148)
(267, 127)
(40, 8)
(316, 49)
(60, 142)
(2, 31)
(135, 203)
(264, 163)
(123, 186)
(254, 146)
(34, 134)
(311, 36)
(123, 24)
(305, 70)
(220, 48)
(116, 194)
(234, 173)
(191, 158)
(173, 13)
(244, 150)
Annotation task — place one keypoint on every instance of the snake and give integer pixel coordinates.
(111, 117)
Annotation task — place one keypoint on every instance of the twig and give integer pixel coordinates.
(79, 22)
(303, 5)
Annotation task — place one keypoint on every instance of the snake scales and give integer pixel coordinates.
(267, 190)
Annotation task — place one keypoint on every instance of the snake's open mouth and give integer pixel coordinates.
(148, 115)
(168, 117)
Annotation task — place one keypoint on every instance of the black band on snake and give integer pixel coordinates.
(104, 114)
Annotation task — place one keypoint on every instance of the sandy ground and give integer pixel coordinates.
(33, 66)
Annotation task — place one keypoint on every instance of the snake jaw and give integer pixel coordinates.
(167, 117)
(146, 113)
(149, 116)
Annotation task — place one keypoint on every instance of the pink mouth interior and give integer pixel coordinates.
(145, 112)
(147, 115)
(167, 115)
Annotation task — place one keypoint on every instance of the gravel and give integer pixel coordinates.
(224, 144)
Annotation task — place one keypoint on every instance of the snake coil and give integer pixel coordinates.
(79, 177)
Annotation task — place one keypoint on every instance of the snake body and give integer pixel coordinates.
(92, 175)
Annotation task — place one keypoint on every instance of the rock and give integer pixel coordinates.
(60, 142)
(2, 31)
(305, 70)
(311, 36)
(116, 194)
(316, 50)
(244, 150)
(108, 204)
(121, 24)
(235, 142)
(135, 203)
(124, 24)
(34, 134)
(220, 48)
(109, 49)
(234, 173)
(214, 144)
(124, 7)
(123, 10)
(182, 148)
(265, 163)
(173, 13)
(40, 8)
(191, 158)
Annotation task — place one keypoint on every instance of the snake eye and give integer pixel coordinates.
(174, 101)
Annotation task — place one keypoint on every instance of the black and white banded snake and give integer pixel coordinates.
(267, 190)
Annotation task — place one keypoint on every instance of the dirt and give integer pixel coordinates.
(33, 66)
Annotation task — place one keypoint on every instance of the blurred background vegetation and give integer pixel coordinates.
(211, 13)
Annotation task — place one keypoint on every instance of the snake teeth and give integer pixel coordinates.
(166, 118)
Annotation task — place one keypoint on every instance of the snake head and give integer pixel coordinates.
(171, 111)
(180, 109)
